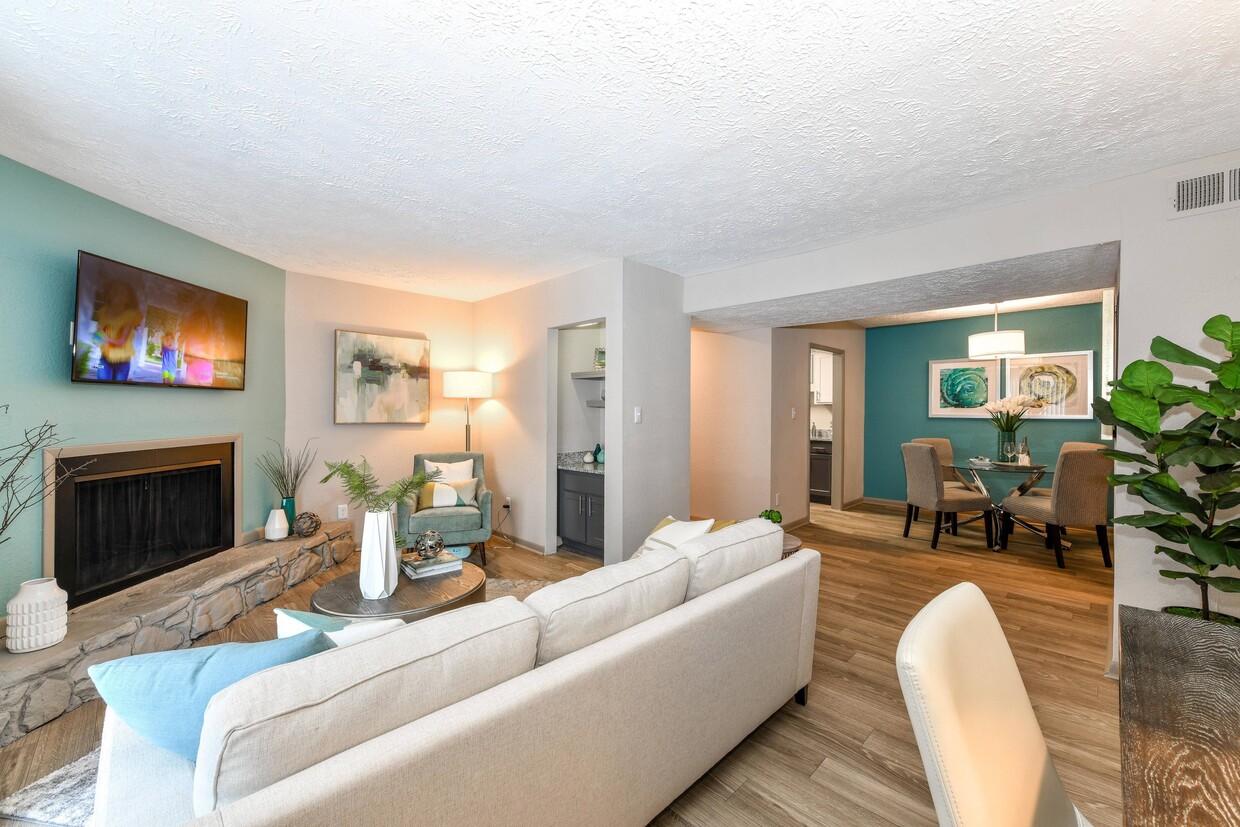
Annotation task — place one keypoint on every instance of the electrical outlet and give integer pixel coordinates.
(794, 413)
(342, 512)
(507, 502)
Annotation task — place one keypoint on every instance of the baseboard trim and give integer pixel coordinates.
(878, 501)
(797, 524)
(520, 543)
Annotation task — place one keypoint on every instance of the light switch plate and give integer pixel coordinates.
(637, 415)
(342, 512)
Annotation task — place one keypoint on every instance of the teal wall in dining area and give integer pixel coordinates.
(897, 388)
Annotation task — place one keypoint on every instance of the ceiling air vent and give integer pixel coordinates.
(1205, 192)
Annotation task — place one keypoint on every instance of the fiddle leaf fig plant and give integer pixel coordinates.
(1191, 518)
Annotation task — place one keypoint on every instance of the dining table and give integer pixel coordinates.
(1006, 478)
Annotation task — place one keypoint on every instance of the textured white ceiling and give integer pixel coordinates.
(1074, 270)
(464, 148)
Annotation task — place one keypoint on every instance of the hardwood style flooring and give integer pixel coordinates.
(849, 757)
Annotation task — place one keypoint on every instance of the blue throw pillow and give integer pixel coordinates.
(163, 695)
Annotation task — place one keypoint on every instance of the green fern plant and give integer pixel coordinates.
(363, 488)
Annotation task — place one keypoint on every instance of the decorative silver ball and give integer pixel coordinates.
(428, 544)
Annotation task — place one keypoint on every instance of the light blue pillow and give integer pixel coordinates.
(163, 695)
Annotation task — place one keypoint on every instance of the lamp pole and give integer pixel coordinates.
(467, 423)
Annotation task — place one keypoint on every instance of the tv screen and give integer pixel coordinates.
(135, 327)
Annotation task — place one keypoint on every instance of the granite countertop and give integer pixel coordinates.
(572, 461)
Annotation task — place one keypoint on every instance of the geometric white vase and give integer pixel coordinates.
(379, 567)
(37, 616)
(277, 525)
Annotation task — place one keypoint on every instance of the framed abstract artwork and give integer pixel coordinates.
(382, 380)
(961, 387)
(1063, 381)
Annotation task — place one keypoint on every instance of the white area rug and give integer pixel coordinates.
(66, 797)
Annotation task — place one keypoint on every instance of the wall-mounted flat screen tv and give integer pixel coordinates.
(135, 327)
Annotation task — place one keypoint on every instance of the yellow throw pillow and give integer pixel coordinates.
(444, 494)
(666, 521)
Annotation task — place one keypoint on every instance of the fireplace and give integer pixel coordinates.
(124, 516)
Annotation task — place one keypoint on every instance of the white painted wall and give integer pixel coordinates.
(1174, 275)
(730, 423)
(580, 428)
(313, 309)
(514, 338)
(790, 349)
(655, 377)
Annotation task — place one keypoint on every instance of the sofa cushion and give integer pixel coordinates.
(163, 695)
(589, 607)
(446, 494)
(450, 471)
(449, 518)
(342, 631)
(733, 552)
(281, 721)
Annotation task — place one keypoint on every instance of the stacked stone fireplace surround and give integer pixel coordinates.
(168, 612)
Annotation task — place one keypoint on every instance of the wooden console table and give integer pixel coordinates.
(1179, 720)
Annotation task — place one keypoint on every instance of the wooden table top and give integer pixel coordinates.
(1179, 706)
(413, 599)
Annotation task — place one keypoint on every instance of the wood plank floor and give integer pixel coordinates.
(849, 758)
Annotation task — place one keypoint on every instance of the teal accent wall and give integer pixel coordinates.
(43, 224)
(897, 388)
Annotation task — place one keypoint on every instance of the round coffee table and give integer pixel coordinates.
(412, 600)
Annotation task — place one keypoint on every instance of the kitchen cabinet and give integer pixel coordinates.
(820, 471)
(822, 377)
(581, 511)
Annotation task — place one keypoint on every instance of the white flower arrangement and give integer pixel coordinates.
(1008, 414)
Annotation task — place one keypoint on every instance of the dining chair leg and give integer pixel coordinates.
(955, 524)
(1052, 536)
(908, 518)
(990, 529)
(916, 513)
(1005, 530)
(1106, 545)
(938, 526)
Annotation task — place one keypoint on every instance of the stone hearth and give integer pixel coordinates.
(168, 612)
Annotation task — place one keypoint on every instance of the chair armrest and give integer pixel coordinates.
(484, 505)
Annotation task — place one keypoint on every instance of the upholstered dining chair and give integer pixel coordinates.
(1067, 446)
(943, 447)
(983, 750)
(923, 472)
(460, 525)
(1079, 494)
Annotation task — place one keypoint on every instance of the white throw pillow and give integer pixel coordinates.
(342, 631)
(730, 554)
(451, 471)
(674, 534)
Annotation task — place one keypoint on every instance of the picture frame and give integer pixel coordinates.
(960, 388)
(1064, 380)
(381, 379)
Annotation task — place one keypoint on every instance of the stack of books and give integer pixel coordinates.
(416, 568)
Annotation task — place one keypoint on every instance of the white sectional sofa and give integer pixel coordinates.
(596, 701)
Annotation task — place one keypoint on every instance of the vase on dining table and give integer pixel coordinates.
(1007, 446)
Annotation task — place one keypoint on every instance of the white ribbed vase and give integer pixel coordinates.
(37, 616)
(379, 566)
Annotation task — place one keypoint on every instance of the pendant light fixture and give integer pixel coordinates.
(997, 344)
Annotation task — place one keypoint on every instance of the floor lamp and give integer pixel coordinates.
(467, 385)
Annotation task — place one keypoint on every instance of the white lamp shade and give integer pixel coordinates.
(997, 344)
(466, 384)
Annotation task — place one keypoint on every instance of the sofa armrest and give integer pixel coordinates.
(140, 783)
(484, 505)
(403, 512)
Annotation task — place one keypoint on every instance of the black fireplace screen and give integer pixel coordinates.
(130, 517)
(138, 522)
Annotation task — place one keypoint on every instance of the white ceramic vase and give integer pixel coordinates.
(277, 525)
(379, 565)
(37, 616)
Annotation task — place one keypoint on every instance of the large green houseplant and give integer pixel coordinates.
(1194, 516)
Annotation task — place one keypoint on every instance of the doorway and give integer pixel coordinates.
(826, 431)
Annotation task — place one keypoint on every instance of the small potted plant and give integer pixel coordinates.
(379, 565)
(1007, 415)
(1190, 511)
(286, 473)
(772, 515)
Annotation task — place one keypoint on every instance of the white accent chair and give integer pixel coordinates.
(985, 757)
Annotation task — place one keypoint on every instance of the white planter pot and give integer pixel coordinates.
(37, 616)
(277, 525)
(379, 566)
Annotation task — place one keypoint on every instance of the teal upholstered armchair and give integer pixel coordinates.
(460, 525)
